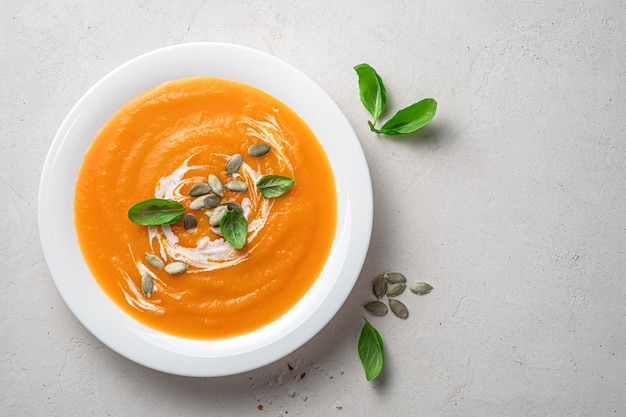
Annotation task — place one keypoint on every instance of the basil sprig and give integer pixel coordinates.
(234, 227)
(371, 351)
(156, 211)
(373, 97)
(273, 186)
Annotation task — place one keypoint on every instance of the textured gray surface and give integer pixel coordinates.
(511, 204)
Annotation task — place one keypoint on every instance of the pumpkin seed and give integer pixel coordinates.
(232, 205)
(395, 289)
(379, 286)
(216, 184)
(398, 308)
(233, 164)
(394, 277)
(198, 203)
(420, 288)
(217, 230)
(236, 185)
(217, 214)
(155, 261)
(176, 267)
(147, 284)
(190, 221)
(211, 200)
(199, 189)
(376, 307)
(205, 201)
(258, 149)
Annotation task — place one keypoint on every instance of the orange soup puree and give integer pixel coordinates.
(158, 146)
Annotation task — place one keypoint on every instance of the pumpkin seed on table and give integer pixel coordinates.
(258, 149)
(379, 286)
(155, 261)
(190, 221)
(395, 289)
(394, 277)
(233, 164)
(216, 184)
(420, 288)
(176, 267)
(147, 284)
(398, 308)
(376, 307)
(236, 185)
(199, 189)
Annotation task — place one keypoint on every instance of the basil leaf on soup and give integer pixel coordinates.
(371, 351)
(234, 227)
(371, 90)
(273, 186)
(156, 211)
(410, 118)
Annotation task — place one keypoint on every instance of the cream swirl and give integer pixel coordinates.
(212, 251)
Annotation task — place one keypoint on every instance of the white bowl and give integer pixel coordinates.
(164, 352)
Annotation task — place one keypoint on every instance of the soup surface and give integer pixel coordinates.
(162, 143)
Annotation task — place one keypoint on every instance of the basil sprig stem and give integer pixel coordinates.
(373, 96)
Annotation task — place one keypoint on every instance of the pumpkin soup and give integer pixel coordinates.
(174, 143)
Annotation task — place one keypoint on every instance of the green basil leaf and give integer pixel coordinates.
(273, 186)
(371, 351)
(234, 227)
(410, 118)
(156, 211)
(372, 90)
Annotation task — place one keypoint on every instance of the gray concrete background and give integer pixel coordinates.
(511, 204)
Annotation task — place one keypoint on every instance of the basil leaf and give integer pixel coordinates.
(410, 118)
(371, 351)
(234, 227)
(273, 186)
(372, 90)
(156, 211)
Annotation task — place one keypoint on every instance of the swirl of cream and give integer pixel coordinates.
(210, 254)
